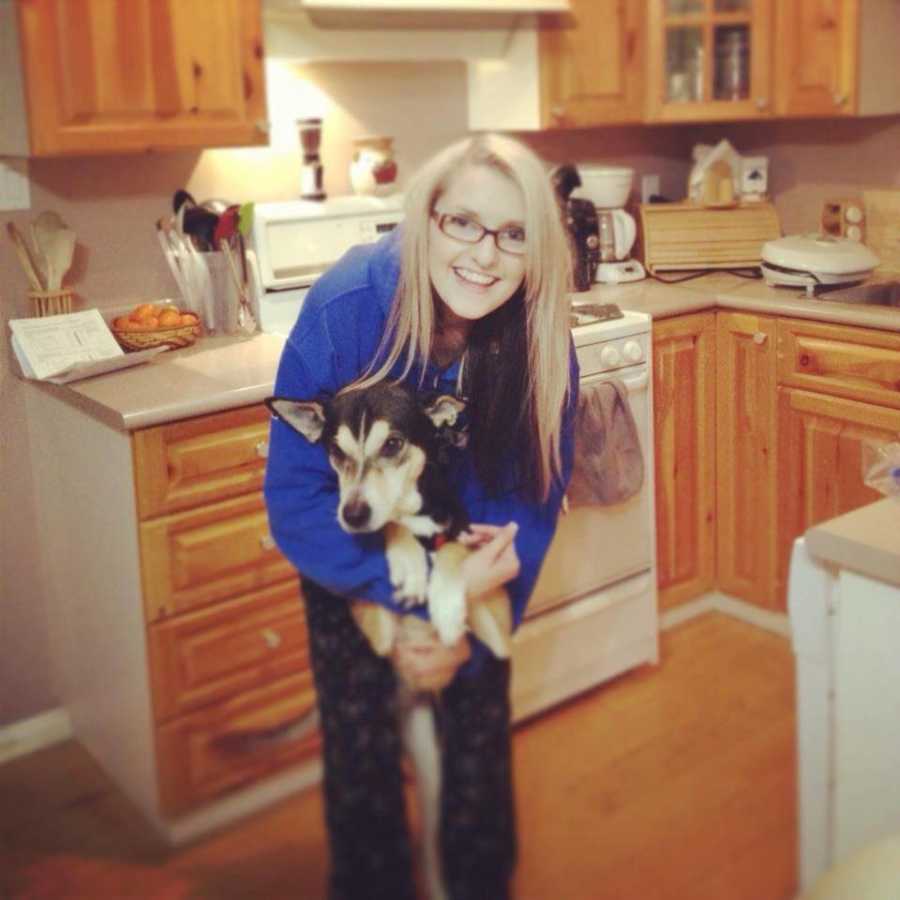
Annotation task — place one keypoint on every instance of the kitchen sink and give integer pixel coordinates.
(880, 293)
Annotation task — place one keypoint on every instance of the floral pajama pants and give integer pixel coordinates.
(365, 809)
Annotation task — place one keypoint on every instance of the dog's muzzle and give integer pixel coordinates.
(356, 515)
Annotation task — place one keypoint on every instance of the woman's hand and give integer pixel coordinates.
(494, 560)
(427, 664)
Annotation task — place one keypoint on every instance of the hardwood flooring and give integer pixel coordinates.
(669, 783)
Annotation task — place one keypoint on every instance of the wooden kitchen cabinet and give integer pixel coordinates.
(103, 77)
(746, 471)
(684, 421)
(709, 60)
(592, 64)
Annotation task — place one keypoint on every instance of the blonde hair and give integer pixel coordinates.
(411, 325)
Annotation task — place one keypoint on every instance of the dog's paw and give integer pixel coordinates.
(447, 608)
(409, 574)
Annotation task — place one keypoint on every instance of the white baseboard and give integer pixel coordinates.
(715, 601)
(28, 735)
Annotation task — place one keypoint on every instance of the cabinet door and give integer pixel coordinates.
(816, 58)
(103, 77)
(821, 442)
(709, 60)
(745, 457)
(684, 397)
(592, 64)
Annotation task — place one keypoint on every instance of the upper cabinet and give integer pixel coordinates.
(592, 64)
(608, 62)
(99, 76)
(709, 60)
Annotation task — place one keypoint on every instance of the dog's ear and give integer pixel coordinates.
(306, 417)
(444, 410)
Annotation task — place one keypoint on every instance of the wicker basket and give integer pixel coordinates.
(180, 336)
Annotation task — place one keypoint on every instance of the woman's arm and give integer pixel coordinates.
(327, 349)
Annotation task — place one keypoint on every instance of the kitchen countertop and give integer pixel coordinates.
(215, 374)
(220, 373)
(866, 540)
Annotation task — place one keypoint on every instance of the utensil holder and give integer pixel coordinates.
(51, 303)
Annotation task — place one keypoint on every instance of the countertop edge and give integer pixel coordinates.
(864, 540)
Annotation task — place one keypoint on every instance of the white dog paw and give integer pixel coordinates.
(447, 608)
(409, 575)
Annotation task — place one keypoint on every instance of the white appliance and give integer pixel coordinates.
(813, 260)
(594, 611)
(296, 241)
(844, 630)
(608, 188)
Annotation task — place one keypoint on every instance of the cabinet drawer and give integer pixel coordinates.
(186, 464)
(857, 363)
(194, 558)
(215, 653)
(210, 752)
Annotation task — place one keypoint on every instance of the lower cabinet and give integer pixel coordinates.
(795, 401)
(684, 426)
(231, 688)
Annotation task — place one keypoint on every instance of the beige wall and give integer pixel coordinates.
(113, 202)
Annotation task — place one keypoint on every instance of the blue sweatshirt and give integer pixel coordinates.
(333, 341)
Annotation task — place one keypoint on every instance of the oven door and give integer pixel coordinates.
(597, 545)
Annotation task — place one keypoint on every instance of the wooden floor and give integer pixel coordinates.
(670, 783)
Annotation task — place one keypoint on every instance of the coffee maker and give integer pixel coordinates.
(608, 188)
(310, 132)
(580, 217)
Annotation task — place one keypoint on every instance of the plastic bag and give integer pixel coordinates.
(881, 468)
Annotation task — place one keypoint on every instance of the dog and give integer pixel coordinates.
(387, 448)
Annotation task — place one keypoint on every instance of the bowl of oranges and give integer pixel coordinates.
(155, 325)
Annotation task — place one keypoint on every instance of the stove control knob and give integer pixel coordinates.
(610, 357)
(633, 352)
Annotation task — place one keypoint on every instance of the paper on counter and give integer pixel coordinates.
(67, 347)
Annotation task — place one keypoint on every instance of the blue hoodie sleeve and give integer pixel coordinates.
(537, 521)
(327, 349)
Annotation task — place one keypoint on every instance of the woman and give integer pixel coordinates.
(469, 296)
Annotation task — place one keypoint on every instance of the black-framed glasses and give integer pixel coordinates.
(510, 239)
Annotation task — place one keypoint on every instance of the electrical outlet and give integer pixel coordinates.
(649, 187)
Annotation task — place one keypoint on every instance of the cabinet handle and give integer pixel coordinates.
(762, 102)
(759, 337)
(839, 99)
(267, 542)
(272, 638)
(262, 449)
(263, 126)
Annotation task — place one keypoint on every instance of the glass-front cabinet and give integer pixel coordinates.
(709, 59)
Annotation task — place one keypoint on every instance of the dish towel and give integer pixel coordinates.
(609, 464)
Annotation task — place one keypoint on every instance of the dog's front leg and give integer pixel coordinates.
(447, 593)
(407, 564)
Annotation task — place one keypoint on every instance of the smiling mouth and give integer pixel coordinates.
(475, 278)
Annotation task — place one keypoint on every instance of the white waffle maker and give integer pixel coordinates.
(813, 260)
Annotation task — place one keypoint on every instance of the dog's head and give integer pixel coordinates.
(378, 441)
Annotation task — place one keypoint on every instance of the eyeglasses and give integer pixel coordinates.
(510, 239)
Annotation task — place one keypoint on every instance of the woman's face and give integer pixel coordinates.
(475, 279)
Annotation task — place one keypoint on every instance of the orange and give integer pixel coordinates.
(144, 311)
(169, 318)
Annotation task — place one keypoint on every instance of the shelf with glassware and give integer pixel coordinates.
(709, 60)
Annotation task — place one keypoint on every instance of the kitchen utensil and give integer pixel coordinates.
(686, 236)
(246, 322)
(25, 258)
(55, 242)
(812, 260)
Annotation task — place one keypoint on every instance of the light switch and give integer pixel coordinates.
(15, 190)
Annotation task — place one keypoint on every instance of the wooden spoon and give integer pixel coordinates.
(56, 242)
(25, 257)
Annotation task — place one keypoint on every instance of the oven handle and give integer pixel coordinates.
(633, 383)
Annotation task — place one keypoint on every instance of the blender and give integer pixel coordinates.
(608, 187)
